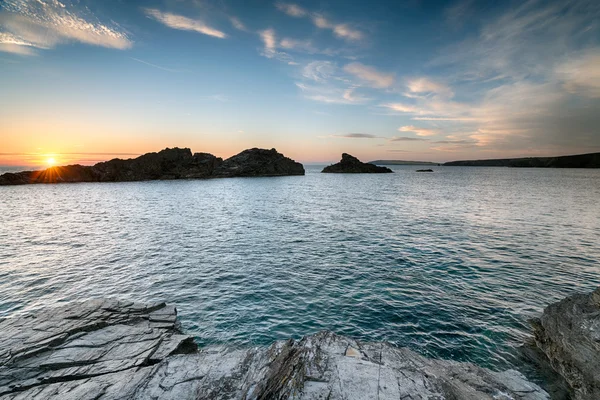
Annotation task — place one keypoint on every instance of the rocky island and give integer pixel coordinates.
(108, 349)
(352, 165)
(172, 163)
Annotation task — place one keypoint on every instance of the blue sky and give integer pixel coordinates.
(85, 80)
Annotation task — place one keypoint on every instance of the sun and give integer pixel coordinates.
(51, 161)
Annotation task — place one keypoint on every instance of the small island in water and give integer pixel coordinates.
(172, 163)
(352, 165)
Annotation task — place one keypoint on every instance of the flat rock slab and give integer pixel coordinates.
(108, 349)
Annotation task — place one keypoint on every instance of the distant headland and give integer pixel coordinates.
(401, 162)
(590, 160)
(172, 163)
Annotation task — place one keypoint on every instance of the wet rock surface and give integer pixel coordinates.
(352, 165)
(108, 349)
(173, 163)
(568, 333)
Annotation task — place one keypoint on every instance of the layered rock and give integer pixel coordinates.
(352, 165)
(173, 163)
(568, 333)
(121, 350)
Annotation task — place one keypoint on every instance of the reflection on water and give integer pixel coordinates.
(451, 263)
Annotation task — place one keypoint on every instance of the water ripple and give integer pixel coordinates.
(451, 264)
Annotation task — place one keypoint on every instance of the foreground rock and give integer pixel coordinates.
(352, 165)
(568, 332)
(166, 164)
(120, 350)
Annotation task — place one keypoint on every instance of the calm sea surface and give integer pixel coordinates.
(451, 264)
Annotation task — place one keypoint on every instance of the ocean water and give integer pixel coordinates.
(451, 263)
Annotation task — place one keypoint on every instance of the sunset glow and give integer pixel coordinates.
(91, 81)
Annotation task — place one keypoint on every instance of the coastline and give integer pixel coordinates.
(112, 349)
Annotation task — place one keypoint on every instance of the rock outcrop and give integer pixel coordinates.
(258, 162)
(173, 163)
(352, 165)
(108, 349)
(568, 333)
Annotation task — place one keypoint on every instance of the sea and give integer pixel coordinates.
(451, 263)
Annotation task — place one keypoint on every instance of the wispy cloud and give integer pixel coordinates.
(183, 23)
(27, 25)
(270, 42)
(341, 30)
(370, 75)
(292, 10)
(581, 73)
(424, 85)
(407, 139)
(237, 24)
(330, 94)
(358, 136)
(401, 107)
(418, 130)
(154, 65)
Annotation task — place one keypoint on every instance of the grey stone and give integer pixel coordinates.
(117, 350)
(568, 333)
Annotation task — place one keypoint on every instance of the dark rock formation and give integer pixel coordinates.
(352, 165)
(166, 164)
(568, 332)
(591, 160)
(258, 162)
(424, 170)
(108, 349)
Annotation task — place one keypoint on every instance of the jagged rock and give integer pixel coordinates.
(259, 162)
(173, 163)
(568, 332)
(121, 350)
(352, 165)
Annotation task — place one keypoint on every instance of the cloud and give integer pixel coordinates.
(153, 65)
(237, 24)
(183, 23)
(329, 94)
(29, 25)
(292, 10)
(581, 74)
(295, 44)
(419, 131)
(407, 139)
(352, 97)
(358, 136)
(402, 108)
(270, 42)
(341, 30)
(427, 85)
(370, 75)
(319, 71)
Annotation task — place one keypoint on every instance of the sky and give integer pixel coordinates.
(83, 81)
